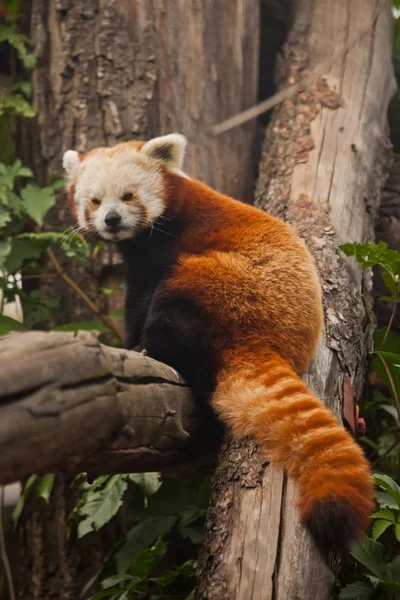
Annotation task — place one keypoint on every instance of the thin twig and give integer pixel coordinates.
(392, 315)
(40, 276)
(106, 320)
(288, 92)
(393, 387)
(262, 107)
(4, 556)
(388, 451)
(2, 301)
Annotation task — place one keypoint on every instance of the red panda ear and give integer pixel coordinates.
(170, 149)
(71, 162)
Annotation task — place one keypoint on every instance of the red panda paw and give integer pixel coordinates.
(333, 524)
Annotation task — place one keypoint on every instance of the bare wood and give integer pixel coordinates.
(208, 57)
(290, 91)
(68, 403)
(324, 161)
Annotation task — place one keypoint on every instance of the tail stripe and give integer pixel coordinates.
(268, 401)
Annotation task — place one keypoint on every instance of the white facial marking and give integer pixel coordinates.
(108, 174)
(107, 178)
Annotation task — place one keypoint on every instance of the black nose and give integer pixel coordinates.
(112, 219)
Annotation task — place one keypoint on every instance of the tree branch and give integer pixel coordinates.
(104, 318)
(69, 403)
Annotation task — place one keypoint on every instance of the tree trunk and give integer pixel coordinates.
(109, 71)
(324, 162)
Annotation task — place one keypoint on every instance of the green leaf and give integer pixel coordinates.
(114, 580)
(357, 591)
(140, 537)
(387, 515)
(144, 561)
(370, 254)
(380, 527)
(22, 249)
(389, 485)
(391, 410)
(371, 554)
(7, 324)
(37, 307)
(5, 216)
(394, 570)
(107, 291)
(393, 285)
(9, 33)
(76, 247)
(188, 569)
(391, 586)
(149, 482)
(17, 106)
(21, 502)
(392, 345)
(385, 500)
(45, 487)
(37, 201)
(5, 249)
(101, 505)
(395, 357)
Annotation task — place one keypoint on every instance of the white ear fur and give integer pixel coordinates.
(170, 149)
(71, 163)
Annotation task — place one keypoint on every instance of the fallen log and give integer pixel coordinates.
(70, 404)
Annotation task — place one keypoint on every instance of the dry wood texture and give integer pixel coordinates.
(80, 406)
(324, 162)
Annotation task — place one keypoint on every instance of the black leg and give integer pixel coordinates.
(174, 333)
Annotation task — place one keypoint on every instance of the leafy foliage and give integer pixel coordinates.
(384, 408)
(141, 576)
(377, 558)
(21, 251)
(100, 502)
(382, 574)
(163, 513)
(10, 33)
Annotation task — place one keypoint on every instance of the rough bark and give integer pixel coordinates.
(323, 165)
(85, 407)
(110, 71)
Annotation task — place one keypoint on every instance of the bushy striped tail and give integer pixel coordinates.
(295, 430)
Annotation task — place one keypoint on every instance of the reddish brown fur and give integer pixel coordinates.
(264, 338)
(256, 283)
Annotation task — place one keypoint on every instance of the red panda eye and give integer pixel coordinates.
(95, 201)
(126, 197)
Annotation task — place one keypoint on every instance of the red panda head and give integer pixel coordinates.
(117, 192)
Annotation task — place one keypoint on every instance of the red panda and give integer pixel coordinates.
(228, 296)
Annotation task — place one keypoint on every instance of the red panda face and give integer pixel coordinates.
(120, 191)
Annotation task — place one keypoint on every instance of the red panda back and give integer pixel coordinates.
(249, 292)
